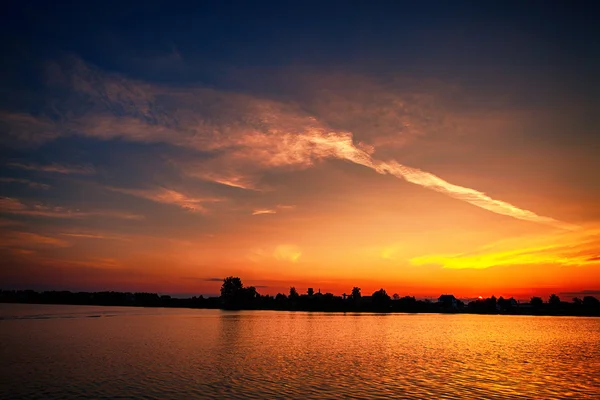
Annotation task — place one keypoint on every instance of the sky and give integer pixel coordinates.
(423, 147)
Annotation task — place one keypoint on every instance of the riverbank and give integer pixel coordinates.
(325, 303)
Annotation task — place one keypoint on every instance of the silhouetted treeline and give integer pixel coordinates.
(105, 299)
(588, 306)
(236, 296)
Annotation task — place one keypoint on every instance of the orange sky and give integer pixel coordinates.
(280, 197)
(462, 163)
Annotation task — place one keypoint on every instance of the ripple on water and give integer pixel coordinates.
(74, 352)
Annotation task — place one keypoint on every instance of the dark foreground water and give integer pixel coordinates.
(54, 352)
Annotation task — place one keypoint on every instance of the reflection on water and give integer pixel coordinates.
(81, 351)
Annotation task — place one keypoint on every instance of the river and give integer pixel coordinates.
(55, 351)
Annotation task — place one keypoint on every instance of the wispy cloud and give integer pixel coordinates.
(15, 206)
(282, 252)
(278, 207)
(472, 196)
(22, 128)
(286, 252)
(583, 293)
(56, 168)
(95, 263)
(100, 236)
(247, 134)
(231, 179)
(286, 206)
(9, 222)
(29, 239)
(10, 205)
(390, 252)
(575, 248)
(263, 211)
(31, 184)
(168, 196)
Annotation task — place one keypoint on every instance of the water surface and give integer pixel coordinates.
(94, 352)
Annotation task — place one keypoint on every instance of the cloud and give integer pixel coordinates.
(472, 196)
(96, 236)
(168, 196)
(23, 129)
(227, 178)
(286, 252)
(390, 252)
(9, 222)
(282, 252)
(247, 134)
(286, 206)
(588, 292)
(31, 184)
(56, 168)
(95, 263)
(15, 206)
(278, 207)
(29, 239)
(570, 249)
(263, 211)
(240, 182)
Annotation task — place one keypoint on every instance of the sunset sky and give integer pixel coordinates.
(423, 147)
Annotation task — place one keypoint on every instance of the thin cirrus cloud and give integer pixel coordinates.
(237, 182)
(167, 196)
(56, 168)
(95, 236)
(31, 184)
(9, 205)
(20, 128)
(246, 133)
(568, 248)
(281, 253)
(279, 207)
(583, 293)
(287, 252)
(232, 179)
(19, 239)
(263, 211)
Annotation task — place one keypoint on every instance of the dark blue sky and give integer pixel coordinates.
(430, 37)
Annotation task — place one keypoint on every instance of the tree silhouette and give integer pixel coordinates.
(293, 293)
(310, 292)
(554, 300)
(536, 301)
(231, 286)
(355, 293)
(590, 301)
(506, 304)
(232, 292)
(250, 293)
(490, 304)
(380, 299)
(280, 297)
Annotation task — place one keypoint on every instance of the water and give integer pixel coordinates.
(56, 352)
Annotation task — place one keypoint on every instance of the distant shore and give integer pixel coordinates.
(589, 306)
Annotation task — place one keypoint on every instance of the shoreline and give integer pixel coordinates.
(326, 311)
